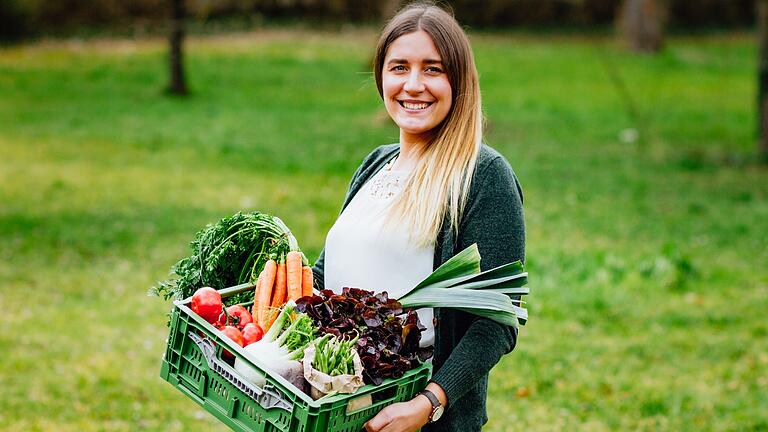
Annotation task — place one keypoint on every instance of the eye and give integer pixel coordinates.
(434, 70)
(397, 68)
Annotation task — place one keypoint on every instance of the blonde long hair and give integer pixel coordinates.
(439, 185)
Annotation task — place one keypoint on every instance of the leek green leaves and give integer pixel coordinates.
(459, 284)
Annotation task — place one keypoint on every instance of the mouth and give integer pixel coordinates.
(414, 105)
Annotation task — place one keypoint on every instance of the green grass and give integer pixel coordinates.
(647, 259)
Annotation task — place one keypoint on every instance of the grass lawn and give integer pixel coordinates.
(647, 257)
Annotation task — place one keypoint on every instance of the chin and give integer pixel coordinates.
(415, 128)
(412, 130)
(416, 132)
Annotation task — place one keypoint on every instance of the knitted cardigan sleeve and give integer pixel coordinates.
(494, 220)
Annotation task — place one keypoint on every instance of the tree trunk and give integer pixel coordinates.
(762, 78)
(177, 84)
(641, 23)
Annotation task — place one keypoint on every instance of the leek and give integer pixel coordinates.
(464, 264)
(458, 283)
(490, 304)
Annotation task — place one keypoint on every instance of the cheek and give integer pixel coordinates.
(443, 87)
(442, 91)
(389, 86)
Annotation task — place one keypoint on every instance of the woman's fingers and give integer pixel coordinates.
(401, 417)
(377, 423)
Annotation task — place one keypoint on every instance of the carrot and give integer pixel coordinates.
(255, 307)
(307, 281)
(265, 292)
(293, 269)
(280, 288)
(274, 311)
(278, 296)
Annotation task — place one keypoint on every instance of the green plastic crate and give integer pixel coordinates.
(192, 363)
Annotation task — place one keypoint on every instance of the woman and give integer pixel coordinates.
(413, 205)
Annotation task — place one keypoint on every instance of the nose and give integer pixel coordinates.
(414, 84)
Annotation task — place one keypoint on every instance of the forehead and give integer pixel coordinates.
(414, 46)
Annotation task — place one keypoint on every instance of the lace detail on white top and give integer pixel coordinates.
(387, 183)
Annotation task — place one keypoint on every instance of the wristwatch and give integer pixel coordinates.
(437, 409)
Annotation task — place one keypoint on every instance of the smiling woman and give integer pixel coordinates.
(413, 205)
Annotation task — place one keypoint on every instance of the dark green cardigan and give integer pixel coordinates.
(466, 347)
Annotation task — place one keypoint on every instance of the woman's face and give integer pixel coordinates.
(415, 86)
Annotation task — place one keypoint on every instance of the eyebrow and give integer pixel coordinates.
(404, 61)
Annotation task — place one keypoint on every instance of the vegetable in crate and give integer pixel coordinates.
(252, 333)
(239, 316)
(293, 265)
(278, 283)
(281, 348)
(459, 284)
(332, 364)
(334, 356)
(206, 302)
(388, 345)
(263, 294)
(234, 334)
(230, 252)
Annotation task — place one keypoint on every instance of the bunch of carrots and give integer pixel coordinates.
(278, 283)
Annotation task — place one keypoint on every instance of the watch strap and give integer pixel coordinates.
(431, 396)
(432, 399)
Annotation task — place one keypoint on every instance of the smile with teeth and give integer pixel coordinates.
(415, 106)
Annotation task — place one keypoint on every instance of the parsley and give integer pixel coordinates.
(230, 252)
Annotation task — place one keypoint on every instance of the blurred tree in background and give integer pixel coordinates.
(762, 78)
(177, 84)
(641, 23)
(13, 21)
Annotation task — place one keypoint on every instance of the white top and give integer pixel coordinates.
(361, 252)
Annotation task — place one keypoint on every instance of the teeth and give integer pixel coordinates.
(413, 106)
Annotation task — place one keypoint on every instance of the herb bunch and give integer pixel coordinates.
(229, 252)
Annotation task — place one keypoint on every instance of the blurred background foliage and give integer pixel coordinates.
(25, 18)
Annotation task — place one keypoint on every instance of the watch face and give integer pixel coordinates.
(437, 413)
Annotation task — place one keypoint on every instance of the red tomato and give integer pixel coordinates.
(206, 302)
(252, 333)
(222, 321)
(241, 315)
(234, 334)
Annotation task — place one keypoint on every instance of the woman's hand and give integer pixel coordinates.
(407, 416)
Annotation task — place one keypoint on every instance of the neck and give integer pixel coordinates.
(411, 149)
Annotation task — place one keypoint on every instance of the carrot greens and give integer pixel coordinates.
(232, 251)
